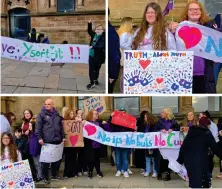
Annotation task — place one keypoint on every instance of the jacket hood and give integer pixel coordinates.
(196, 131)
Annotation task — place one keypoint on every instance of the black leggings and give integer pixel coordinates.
(70, 162)
(95, 163)
(94, 68)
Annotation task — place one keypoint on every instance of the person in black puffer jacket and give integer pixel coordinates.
(96, 53)
(219, 125)
(194, 154)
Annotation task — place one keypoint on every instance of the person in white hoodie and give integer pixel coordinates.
(125, 33)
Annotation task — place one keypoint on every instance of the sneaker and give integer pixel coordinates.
(154, 175)
(46, 181)
(85, 173)
(99, 175)
(142, 172)
(118, 173)
(90, 86)
(55, 178)
(219, 176)
(90, 175)
(65, 177)
(146, 174)
(130, 172)
(38, 179)
(126, 174)
(96, 82)
(79, 174)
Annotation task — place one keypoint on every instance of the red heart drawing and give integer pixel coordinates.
(73, 139)
(144, 63)
(91, 130)
(159, 80)
(11, 183)
(190, 35)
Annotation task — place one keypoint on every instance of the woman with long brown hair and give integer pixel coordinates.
(153, 33)
(9, 151)
(190, 119)
(203, 75)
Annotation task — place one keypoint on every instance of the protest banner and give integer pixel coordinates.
(123, 119)
(73, 133)
(203, 41)
(163, 72)
(51, 153)
(45, 53)
(16, 175)
(97, 103)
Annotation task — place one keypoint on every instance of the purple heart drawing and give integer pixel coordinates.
(100, 109)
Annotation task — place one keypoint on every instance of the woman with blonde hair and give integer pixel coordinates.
(125, 33)
(153, 33)
(203, 69)
(166, 123)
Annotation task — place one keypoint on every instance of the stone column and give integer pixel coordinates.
(52, 3)
(185, 104)
(145, 103)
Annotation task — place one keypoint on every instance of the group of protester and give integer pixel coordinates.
(198, 148)
(155, 34)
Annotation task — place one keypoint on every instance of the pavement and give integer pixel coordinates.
(110, 181)
(19, 77)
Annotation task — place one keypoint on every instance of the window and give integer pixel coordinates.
(158, 103)
(81, 102)
(65, 5)
(130, 104)
(212, 7)
(203, 103)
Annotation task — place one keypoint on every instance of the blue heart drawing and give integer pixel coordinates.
(53, 59)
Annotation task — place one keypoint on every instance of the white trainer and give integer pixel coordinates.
(130, 172)
(146, 174)
(126, 174)
(154, 175)
(118, 173)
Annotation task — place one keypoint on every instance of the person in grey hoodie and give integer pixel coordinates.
(49, 129)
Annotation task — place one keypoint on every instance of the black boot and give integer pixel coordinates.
(159, 176)
(167, 177)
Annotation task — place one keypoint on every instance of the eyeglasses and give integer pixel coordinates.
(6, 138)
(152, 13)
(194, 9)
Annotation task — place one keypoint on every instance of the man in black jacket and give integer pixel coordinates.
(49, 129)
(114, 57)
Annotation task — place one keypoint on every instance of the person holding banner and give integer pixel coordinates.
(194, 154)
(125, 33)
(167, 123)
(203, 75)
(49, 129)
(153, 34)
(34, 37)
(9, 151)
(92, 148)
(219, 125)
(96, 53)
(150, 154)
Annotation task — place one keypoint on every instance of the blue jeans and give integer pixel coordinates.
(122, 158)
(217, 68)
(148, 162)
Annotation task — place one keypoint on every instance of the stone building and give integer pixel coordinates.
(59, 19)
(133, 105)
(134, 9)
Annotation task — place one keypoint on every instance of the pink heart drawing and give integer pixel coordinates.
(159, 80)
(73, 139)
(11, 183)
(190, 35)
(144, 63)
(91, 130)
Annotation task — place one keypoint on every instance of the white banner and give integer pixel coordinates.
(168, 143)
(204, 41)
(16, 175)
(45, 53)
(51, 153)
(163, 72)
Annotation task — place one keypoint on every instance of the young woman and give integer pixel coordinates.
(194, 154)
(92, 148)
(190, 120)
(96, 53)
(167, 123)
(125, 33)
(150, 154)
(203, 75)
(153, 34)
(70, 152)
(9, 151)
(82, 167)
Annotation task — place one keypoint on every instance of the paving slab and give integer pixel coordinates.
(66, 92)
(28, 90)
(50, 91)
(8, 69)
(20, 72)
(43, 64)
(52, 82)
(34, 81)
(40, 71)
(66, 73)
(8, 89)
(4, 65)
(3, 76)
(12, 81)
(27, 64)
(54, 70)
(67, 84)
(68, 66)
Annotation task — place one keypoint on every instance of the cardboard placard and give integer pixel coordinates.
(97, 103)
